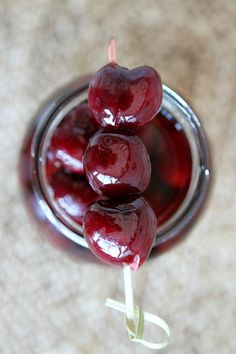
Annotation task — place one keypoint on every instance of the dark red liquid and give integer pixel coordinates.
(171, 164)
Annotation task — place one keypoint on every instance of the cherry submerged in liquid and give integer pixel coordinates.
(171, 163)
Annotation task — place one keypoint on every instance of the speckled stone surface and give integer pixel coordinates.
(52, 305)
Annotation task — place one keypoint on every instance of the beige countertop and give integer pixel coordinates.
(52, 305)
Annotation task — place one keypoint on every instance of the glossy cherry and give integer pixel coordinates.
(72, 194)
(123, 98)
(120, 233)
(117, 163)
(70, 140)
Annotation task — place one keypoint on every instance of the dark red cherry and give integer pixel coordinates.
(120, 233)
(117, 163)
(72, 194)
(124, 98)
(70, 141)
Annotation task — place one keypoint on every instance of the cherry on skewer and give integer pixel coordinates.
(117, 164)
(120, 233)
(123, 98)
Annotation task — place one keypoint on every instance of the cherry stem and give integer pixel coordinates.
(129, 297)
(112, 51)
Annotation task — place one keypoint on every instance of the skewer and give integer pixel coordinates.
(129, 296)
(112, 51)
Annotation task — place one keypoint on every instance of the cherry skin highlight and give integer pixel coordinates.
(120, 233)
(123, 98)
(72, 194)
(117, 163)
(70, 140)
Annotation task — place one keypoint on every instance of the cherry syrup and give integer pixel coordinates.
(171, 163)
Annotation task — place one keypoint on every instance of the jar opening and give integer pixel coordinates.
(173, 107)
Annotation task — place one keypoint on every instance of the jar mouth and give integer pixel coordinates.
(200, 175)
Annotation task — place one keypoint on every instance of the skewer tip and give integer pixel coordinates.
(112, 51)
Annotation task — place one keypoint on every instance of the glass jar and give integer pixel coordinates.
(55, 224)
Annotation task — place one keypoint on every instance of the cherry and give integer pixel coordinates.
(117, 163)
(120, 233)
(123, 98)
(70, 140)
(72, 194)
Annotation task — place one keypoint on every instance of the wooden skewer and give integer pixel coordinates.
(129, 296)
(112, 51)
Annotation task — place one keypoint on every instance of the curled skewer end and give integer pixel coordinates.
(135, 317)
